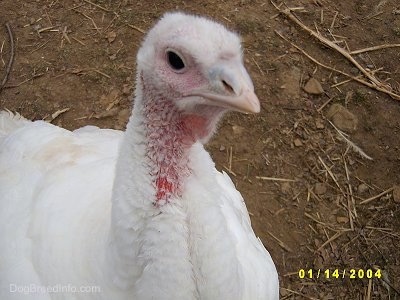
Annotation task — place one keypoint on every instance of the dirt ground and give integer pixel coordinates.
(316, 202)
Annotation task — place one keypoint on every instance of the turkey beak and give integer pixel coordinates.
(230, 87)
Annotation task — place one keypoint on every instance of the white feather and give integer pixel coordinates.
(78, 219)
(55, 207)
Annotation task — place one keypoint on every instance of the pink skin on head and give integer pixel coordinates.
(181, 105)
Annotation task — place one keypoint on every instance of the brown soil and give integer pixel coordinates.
(81, 56)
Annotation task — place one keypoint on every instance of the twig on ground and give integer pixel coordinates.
(89, 18)
(46, 29)
(324, 104)
(331, 239)
(100, 72)
(369, 289)
(350, 143)
(375, 83)
(282, 244)
(79, 41)
(98, 6)
(299, 294)
(12, 55)
(377, 196)
(41, 46)
(65, 35)
(334, 19)
(288, 13)
(55, 115)
(371, 85)
(258, 66)
(275, 179)
(331, 175)
(24, 81)
(136, 28)
(374, 48)
(350, 197)
(229, 171)
(325, 224)
(341, 83)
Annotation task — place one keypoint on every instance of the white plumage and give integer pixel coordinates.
(140, 214)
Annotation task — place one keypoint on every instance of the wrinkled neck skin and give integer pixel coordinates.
(168, 135)
(149, 222)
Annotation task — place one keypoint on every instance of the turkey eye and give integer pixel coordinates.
(175, 61)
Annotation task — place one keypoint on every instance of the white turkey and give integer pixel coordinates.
(140, 214)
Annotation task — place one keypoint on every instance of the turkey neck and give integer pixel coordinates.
(148, 220)
(168, 135)
(168, 140)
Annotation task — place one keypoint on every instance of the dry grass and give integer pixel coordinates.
(12, 55)
(373, 83)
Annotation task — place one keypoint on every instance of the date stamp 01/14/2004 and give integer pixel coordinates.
(339, 274)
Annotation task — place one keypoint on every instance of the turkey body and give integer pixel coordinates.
(141, 214)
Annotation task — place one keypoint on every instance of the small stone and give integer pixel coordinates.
(314, 87)
(222, 148)
(342, 220)
(237, 130)
(362, 188)
(126, 89)
(396, 193)
(319, 263)
(298, 143)
(342, 118)
(283, 292)
(320, 188)
(36, 26)
(111, 36)
(319, 124)
(289, 82)
(286, 188)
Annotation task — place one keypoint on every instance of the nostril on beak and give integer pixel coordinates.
(228, 87)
